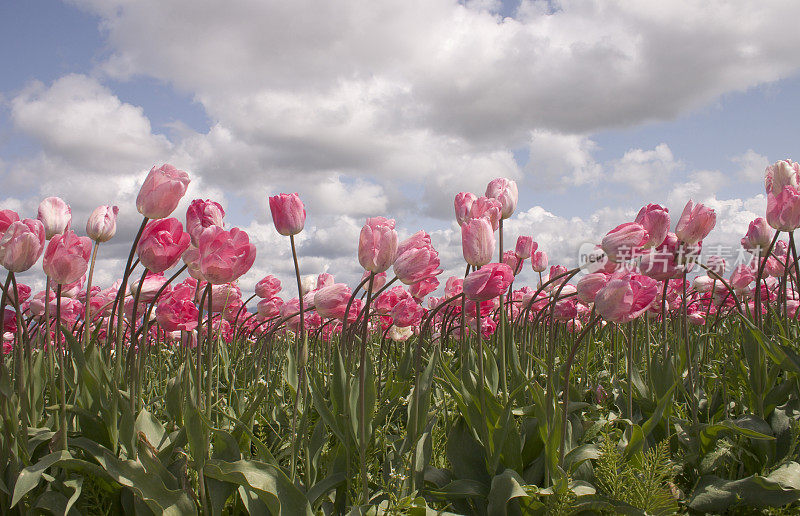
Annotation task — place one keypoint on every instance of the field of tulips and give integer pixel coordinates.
(654, 378)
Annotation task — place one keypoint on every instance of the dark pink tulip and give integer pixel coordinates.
(781, 174)
(758, 236)
(525, 247)
(67, 257)
(624, 241)
(71, 309)
(202, 214)
(331, 301)
(56, 215)
(505, 191)
(696, 223)
(385, 302)
(488, 282)
(23, 292)
(463, 206)
(422, 288)
(269, 308)
(539, 261)
(783, 209)
(225, 255)
(565, 309)
(163, 189)
(742, 277)
(102, 223)
(407, 313)
(416, 259)
(589, 285)
(655, 220)
(377, 244)
(268, 287)
(176, 311)
(288, 213)
(488, 208)
(162, 244)
(626, 297)
(477, 241)
(7, 217)
(21, 245)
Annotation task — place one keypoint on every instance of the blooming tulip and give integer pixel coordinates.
(21, 245)
(781, 174)
(268, 287)
(463, 206)
(407, 313)
(67, 257)
(202, 214)
(758, 236)
(269, 308)
(56, 215)
(625, 298)
(225, 255)
(162, 190)
(151, 284)
(488, 282)
(102, 223)
(655, 220)
(416, 259)
(624, 241)
(783, 209)
(477, 242)
(422, 288)
(176, 311)
(525, 247)
(696, 223)
(489, 208)
(589, 285)
(331, 301)
(162, 244)
(288, 213)
(7, 217)
(505, 191)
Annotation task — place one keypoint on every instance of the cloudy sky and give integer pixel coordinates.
(594, 107)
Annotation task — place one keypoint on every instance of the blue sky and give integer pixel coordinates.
(386, 108)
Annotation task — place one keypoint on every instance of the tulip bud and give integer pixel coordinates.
(162, 190)
(288, 213)
(539, 261)
(758, 236)
(488, 282)
(377, 244)
(505, 191)
(525, 247)
(202, 214)
(463, 206)
(477, 242)
(102, 223)
(56, 215)
(67, 257)
(655, 220)
(21, 245)
(696, 223)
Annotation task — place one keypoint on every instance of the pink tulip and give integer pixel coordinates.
(477, 241)
(176, 311)
(56, 215)
(783, 209)
(7, 217)
(162, 244)
(67, 257)
(589, 285)
(463, 206)
(102, 223)
(758, 236)
(21, 245)
(162, 190)
(202, 214)
(150, 286)
(510, 258)
(453, 287)
(703, 284)
(624, 241)
(489, 208)
(488, 282)
(377, 282)
(565, 309)
(422, 288)
(626, 297)
(696, 223)
(288, 213)
(655, 220)
(225, 255)
(269, 308)
(331, 301)
(221, 295)
(416, 259)
(407, 313)
(191, 257)
(377, 244)
(781, 174)
(268, 287)
(525, 247)
(385, 302)
(505, 191)
(716, 265)
(742, 277)
(539, 261)
(325, 280)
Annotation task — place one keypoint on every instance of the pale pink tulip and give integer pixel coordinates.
(525, 247)
(202, 214)
(758, 236)
(21, 245)
(624, 241)
(56, 216)
(626, 297)
(269, 308)
(268, 287)
(489, 208)
(655, 220)
(331, 301)
(783, 209)
(377, 244)
(102, 223)
(696, 223)
(539, 261)
(505, 191)
(477, 241)
(407, 313)
(162, 190)
(7, 217)
(422, 288)
(463, 206)
(781, 174)
(67, 257)
(416, 259)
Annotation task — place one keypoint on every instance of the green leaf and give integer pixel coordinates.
(505, 487)
(715, 494)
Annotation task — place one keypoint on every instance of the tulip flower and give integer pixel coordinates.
(7, 217)
(162, 190)
(422, 288)
(162, 244)
(269, 308)
(655, 220)
(377, 244)
(626, 297)
(67, 257)
(377, 282)
(589, 285)
(416, 259)
(202, 214)
(783, 209)
(539, 261)
(151, 284)
(505, 191)
(463, 206)
(525, 247)
(288, 213)
(102, 223)
(407, 313)
(176, 311)
(624, 241)
(758, 236)
(191, 257)
(716, 265)
(56, 216)
(401, 334)
(781, 174)
(488, 282)
(695, 224)
(703, 284)
(453, 287)
(510, 258)
(268, 287)
(331, 301)
(489, 208)
(385, 302)
(225, 255)
(21, 245)
(477, 242)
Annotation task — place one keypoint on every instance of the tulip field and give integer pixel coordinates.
(654, 377)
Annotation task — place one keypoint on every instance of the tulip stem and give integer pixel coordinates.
(503, 345)
(62, 414)
(87, 306)
(362, 423)
(121, 296)
(300, 349)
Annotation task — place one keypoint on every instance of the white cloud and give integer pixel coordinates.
(751, 166)
(560, 161)
(645, 170)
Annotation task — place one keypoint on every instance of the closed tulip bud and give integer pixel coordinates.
(416, 259)
(377, 282)
(67, 257)
(477, 242)
(407, 313)
(758, 236)
(21, 245)
(307, 284)
(324, 280)
(102, 223)
(589, 285)
(288, 213)
(624, 241)
(463, 206)
(56, 216)
(783, 209)
(225, 255)
(202, 214)
(525, 247)
(505, 191)
(377, 244)
(696, 223)
(539, 261)
(488, 282)
(268, 287)
(269, 308)
(781, 174)
(162, 244)
(331, 301)
(162, 190)
(655, 220)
